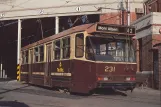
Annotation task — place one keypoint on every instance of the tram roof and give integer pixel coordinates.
(90, 28)
(61, 34)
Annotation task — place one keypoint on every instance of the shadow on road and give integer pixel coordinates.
(109, 92)
(12, 104)
(6, 79)
(9, 90)
(1, 98)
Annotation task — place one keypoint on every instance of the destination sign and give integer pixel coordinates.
(115, 29)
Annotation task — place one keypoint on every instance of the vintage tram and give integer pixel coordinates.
(82, 58)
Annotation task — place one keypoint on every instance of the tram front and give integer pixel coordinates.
(111, 48)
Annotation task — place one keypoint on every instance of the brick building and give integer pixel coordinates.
(148, 35)
(153, 6)
(158, 47)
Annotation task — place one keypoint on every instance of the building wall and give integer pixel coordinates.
(146, 54)
(159, 55)
(117, 18)
(153, 6)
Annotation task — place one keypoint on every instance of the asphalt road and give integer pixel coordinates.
(15, 94)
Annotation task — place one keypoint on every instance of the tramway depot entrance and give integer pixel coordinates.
(32, 30)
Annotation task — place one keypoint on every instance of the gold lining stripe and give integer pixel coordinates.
(81, 59)
(24, 72)
(60, 74)
(38, 73)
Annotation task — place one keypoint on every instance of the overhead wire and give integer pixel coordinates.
(62, 5)
(66, 2)
(13, 6)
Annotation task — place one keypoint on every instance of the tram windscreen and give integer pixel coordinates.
(109, 50)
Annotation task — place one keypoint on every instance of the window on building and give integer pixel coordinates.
(66, 47)
(79, 45)
(36, 54)
(25, 57)
(139, 15)
(57, 49)
(41, 51)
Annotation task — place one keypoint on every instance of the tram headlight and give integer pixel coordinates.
(105, 79)
(130, 78)
(102, 78)
(127, 78)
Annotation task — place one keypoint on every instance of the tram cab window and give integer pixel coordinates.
(79, 45)
(90, 50)
(57, 49)
(41, 51)
(106, 49)
(36, 54)
(66, 47)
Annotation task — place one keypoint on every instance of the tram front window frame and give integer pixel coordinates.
(109, 49)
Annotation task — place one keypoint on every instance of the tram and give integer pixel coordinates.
(82, 59)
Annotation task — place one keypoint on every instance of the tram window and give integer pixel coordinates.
(41, 50)
(79, 48)
(90, 51)
(66, 47)
(57, 49)
(36, 53)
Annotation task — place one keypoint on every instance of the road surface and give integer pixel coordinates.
(15, 94)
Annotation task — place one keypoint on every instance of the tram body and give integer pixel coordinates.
(82, 59)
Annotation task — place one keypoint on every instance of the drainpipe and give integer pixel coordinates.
(144, 8)
(128, 10)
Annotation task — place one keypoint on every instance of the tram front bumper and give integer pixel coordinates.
(120, 86)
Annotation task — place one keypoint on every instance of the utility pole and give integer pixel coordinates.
(128, 12)
(18, 49)
(123, 12)
(56, 25)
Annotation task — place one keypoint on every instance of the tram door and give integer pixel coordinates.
(47, 76)
(30, 65)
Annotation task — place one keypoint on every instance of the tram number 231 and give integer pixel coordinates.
(109, 68)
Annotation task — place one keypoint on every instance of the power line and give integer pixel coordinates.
(66, 2)
(15, 6)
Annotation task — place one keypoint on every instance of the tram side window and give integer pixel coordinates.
(41, 50)
(57, 48)
(79, 48)
(66, 47)
(36, 53)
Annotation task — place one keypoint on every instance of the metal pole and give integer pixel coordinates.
(18, 49)
(19, 42)
(56, 25)
(1, 73)
(128, 10)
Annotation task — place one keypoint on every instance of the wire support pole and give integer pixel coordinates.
(19, 42)
(56, 25)
(18, 49)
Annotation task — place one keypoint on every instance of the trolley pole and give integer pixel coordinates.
(18, 49)
(56, 25)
